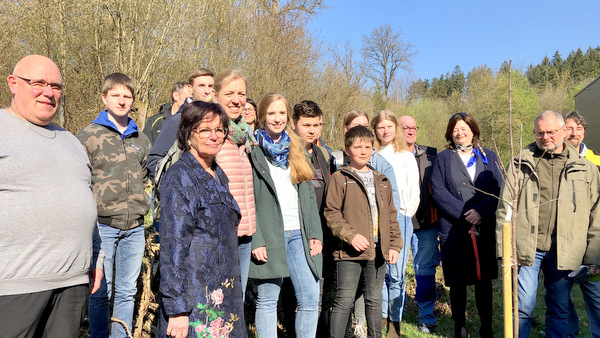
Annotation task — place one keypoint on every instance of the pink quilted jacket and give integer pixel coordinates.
(235, 163)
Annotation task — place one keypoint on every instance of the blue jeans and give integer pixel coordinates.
(558, 295)
(394, 293)
(426, 257)
(244, 253)
(348, 277)
(591, 295)
(306, 287)
(124, 250)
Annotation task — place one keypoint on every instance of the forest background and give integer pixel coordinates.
(158, 42)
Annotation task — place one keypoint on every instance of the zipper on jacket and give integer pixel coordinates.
(364, 188)
(127, 183)
(574, 197)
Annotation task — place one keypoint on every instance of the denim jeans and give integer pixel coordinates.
(124, 250)
(348, 276)
(558, 299)
(394, 291)
(426, 257)
(306, 287)
(244, 253)
(591, 295)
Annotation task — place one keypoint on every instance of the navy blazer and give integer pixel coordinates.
(454, 195)
(198, 233)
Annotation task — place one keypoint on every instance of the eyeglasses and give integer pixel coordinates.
(413, 129)
(550, 133)
(248, 110)
(459, 114)
(42, 84)
(205, 133)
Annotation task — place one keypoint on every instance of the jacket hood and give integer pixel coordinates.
(165, 110)
(103, 120)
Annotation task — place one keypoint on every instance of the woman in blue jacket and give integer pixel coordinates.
(465, 182)
(288, 238)
(200, 284)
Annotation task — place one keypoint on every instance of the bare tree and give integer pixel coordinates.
(384, 53)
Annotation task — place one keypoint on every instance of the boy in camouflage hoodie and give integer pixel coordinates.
(117, 151)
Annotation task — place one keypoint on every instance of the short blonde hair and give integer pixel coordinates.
(399, 142)
(227, 75)
(300, 169)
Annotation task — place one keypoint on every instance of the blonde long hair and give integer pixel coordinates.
(399, 142)
(300, 169)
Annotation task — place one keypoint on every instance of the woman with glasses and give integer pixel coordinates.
(200, 290)
(288, 239)
(249, 113)
(465, 182)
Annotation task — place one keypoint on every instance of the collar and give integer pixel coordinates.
(103, 120)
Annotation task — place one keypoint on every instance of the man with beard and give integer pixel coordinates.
(576, 127)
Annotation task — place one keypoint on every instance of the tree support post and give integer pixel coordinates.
(507, 278)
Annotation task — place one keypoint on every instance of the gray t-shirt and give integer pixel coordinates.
(368, 180)
(48, 209)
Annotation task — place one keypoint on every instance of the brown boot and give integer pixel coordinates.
(384, 327)
(394, 330)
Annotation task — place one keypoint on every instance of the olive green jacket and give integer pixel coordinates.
(269, 223)
(578, 213)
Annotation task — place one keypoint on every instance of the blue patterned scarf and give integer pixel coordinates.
(277, 153)
(477, 152)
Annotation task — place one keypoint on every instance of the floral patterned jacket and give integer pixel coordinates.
(200, 274)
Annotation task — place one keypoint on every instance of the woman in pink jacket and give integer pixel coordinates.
(230, 87)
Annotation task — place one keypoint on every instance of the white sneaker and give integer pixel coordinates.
(424, 328)
(360, 331)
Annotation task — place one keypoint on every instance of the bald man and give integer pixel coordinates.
(49, 215)
(424, 240)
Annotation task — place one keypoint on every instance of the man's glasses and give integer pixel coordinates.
(550, 133)
(413, 129)
(42, 84)
(205, 133)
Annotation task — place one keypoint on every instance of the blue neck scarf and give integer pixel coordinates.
(477, 152)
(277, 153)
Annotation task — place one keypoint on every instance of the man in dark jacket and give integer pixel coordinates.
(180, 92)
(202, 81)
(424, 241)
(308, 124)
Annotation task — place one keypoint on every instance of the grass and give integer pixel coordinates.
(445, 324)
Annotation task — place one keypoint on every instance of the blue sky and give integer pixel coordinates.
(467, 33)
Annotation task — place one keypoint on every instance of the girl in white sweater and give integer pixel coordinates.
(391, 145)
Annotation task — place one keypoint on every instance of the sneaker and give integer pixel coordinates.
(360, 331)
(424, 328)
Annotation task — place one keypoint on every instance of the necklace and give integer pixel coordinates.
(28, 124)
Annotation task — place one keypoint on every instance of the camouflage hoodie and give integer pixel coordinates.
(119, 171)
